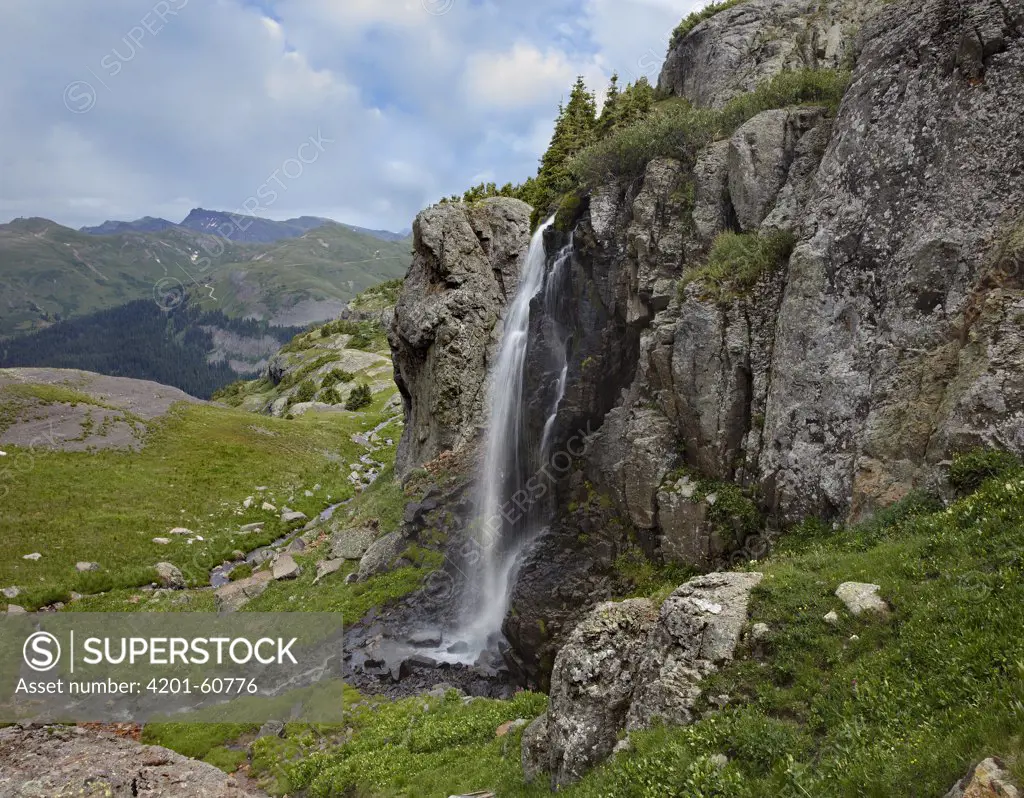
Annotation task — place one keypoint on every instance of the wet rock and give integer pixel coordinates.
(446, 326)
(424, 639)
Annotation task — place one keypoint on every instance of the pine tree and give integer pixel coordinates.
(575, 128)
(610, 111)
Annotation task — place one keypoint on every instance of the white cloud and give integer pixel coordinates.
(419, 104)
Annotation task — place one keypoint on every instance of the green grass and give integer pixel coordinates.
(197, 467)
(737, 261)
(872, 707)
(422, 747)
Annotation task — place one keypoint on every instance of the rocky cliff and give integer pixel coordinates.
(867, 323)
(448, 320)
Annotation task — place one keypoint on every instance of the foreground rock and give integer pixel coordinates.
(447, 323)
(60, 761)
(629, 666)
(987, 780)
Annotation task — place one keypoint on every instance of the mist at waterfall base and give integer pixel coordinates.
(505, 520)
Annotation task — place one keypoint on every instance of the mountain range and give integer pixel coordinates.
(289, 273)
(234, 227)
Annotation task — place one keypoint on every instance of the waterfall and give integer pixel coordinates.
(503, 527)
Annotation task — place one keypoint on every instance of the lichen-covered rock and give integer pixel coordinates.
(627, 666)
(592, 685)
(382, 555)
(740, 47)
(698, 629)
(447, 323)
(898, 318)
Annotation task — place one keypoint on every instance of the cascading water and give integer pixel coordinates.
(502, 528)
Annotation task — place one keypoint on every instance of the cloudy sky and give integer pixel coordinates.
(360, 110)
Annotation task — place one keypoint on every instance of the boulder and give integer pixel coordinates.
(162, 541)
(268, 507)
(34, 556)
(325, 568)
(14, 609)
(382, 555)
(424, 639)
(293, 516)
(169, 576)
(180, 530)
(628, 666)
(257, 527)
(860, 597)
(11, 592)
(285, 567)
(236, 595)
(351, 544)
(86, 567)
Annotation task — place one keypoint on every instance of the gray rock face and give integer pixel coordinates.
(736, 49)
(897, 322)
(447, 323)
(759, 158)
(74, 761)
(627, 666)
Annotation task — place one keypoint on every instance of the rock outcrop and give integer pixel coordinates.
(73, 761)
(739, 47)
(628, 666)
(447, 324)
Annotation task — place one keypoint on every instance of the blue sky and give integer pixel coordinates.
(360, 110)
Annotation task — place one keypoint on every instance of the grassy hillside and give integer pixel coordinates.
(49, 272)
(196, 467)
(879, 707)
(329, 265)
